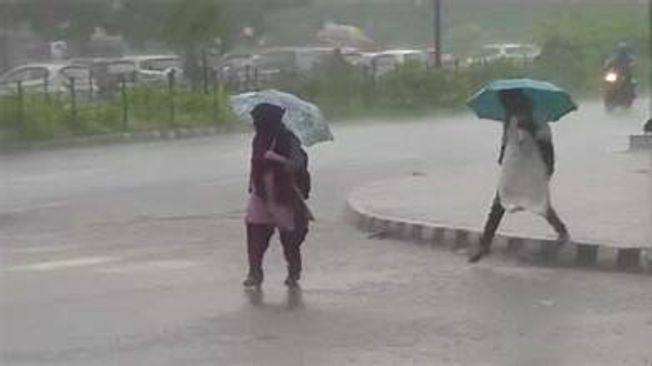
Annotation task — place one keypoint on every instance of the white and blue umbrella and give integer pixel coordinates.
(303, 118)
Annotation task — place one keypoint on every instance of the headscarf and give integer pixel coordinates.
(270, 134)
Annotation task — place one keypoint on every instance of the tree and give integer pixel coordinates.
(73, 20)
(175, 22)
(193, 21)
(252, 13)
(193, 27)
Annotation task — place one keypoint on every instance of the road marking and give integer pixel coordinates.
(37, 250)
(63, 264)
(37, 207)
(166, 265)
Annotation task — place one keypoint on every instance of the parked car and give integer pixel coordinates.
(47, 78)
(355, 57)
(388, 61)
(289, 60)
(154, 67)
(448, 60)
(505, 51)
(108, 73)
(237, 67)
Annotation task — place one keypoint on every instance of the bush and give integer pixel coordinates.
(576, 43)
(40, 117)
(411, 89)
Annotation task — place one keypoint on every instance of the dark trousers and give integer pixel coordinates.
(497, 213)
(258, 237)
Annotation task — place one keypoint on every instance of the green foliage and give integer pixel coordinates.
(349, 93)
(142, 21)
(148, 108)
(409, 90)
(576, 36)
(192, 21)
(576, 43)
(70, 19)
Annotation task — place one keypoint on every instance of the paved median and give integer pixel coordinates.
(605, 200)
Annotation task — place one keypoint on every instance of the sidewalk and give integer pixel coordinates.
(605, 197)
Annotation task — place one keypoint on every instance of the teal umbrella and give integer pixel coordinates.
(550, 101)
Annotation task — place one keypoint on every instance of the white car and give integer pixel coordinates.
(355, 57)
(506, 51)
(388, 61)
(46, 78)
(293, 59)
(154, 67)
(237, 67)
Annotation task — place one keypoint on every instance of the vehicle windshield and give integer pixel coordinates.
(25, 74)
(413, 58)
(519, 50)
(487, 51)
(159, 64)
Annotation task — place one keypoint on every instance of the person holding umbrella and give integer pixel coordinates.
(279, 180)
(526, 155)
(277, 194)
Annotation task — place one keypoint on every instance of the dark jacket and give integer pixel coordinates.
(284, 143)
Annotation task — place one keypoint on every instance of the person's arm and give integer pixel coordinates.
(548, 155)
(272, 155)
(295, 159)
(546, 148)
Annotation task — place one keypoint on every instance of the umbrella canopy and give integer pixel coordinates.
(550, 101)
(303, 118)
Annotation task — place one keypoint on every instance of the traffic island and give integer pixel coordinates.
(449, 213)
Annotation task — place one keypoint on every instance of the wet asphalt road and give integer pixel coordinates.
(133, 255)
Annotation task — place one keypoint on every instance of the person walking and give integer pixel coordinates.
(528, 162)
(279, 184)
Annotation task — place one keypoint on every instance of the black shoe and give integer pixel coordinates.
(252, 281)
(480, 252)
(291, 282)
(563, 238)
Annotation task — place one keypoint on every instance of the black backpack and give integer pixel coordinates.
(302, 179)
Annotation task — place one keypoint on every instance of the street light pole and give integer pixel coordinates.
(649, 46)
(437, 24)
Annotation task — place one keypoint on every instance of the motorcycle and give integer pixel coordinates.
(619, 90)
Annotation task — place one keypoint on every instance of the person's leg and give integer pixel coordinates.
(493, 220)
(557, 224)
(258, 237)
(291, 241)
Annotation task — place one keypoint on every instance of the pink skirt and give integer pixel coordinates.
(270, 212)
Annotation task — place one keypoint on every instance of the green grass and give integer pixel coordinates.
(575, 41)
(40, 118)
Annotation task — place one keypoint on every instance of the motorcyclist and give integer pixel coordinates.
(622, 61)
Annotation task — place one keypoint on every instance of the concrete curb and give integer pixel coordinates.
(526, 249)
(640, 142)
(122, 138)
